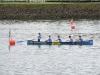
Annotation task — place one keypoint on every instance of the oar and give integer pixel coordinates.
(23, 41)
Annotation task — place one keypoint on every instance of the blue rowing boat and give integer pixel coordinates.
(31, 42)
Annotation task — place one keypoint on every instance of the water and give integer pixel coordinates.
(22, 59)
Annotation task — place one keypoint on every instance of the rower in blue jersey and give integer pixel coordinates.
(80, 39)
(70, 39)
(59, 39)
(39, 37)
(49, 39)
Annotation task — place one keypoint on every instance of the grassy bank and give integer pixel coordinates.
(49, 11)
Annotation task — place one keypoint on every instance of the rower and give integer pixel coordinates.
(39, 37)
(70, 39)
(59, 39)
(80, 39)
(49, 39)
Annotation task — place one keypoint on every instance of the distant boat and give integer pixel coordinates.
(31, 42)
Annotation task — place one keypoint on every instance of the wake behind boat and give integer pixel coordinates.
(31, 42)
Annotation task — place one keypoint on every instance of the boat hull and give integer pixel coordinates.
(31, 42)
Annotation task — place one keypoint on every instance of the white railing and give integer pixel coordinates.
(45, 0)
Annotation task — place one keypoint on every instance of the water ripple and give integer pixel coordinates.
(49, 60)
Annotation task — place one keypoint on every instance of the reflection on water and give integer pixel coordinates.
(23, 59)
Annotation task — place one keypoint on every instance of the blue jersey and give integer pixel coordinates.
(71, 40)
(59, 40)
(49, 40)
(39, 37)
(81, 39)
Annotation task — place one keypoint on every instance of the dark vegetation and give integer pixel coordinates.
(49, 11)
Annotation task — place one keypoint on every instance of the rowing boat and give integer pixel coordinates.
(32, 42)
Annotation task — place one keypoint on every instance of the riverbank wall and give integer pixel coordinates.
(49, 11)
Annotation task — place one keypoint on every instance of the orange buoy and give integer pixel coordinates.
(73, 27)
(12, 42)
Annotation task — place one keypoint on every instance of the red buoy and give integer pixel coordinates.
(73, 27)
(12, 42)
